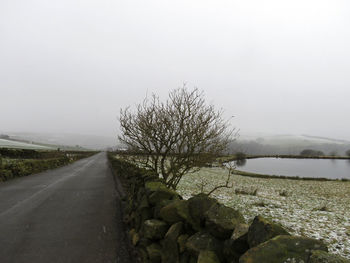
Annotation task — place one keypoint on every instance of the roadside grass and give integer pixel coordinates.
(22, 162)
(318, 209)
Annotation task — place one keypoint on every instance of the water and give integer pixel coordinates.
(317, 168)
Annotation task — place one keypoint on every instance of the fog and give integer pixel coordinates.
(279, 67)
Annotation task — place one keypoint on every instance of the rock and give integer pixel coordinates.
(236, 246)
(154, 229)
(170, 250)
(222, 220)
(198, 206)
(154, 252)
(174, 231)
(185, 257)
(159, 206)
(181, 242)
(144, 242)
(134, 236)
(143, 202)
(152, 186)
(262, 230)
(240, 230)
(283, 248)
(203, 241)
(161, 195)
(141, 193)
(207, 256)
(176, 211)
(319, 256)
(141, 215)
(143, 254)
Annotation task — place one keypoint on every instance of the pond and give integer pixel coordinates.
(316, 168)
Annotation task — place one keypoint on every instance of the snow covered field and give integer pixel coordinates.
(21, 145)
(308, 208)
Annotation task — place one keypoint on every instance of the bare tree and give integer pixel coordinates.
(176, 136)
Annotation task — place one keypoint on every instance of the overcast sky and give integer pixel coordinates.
(278, 66)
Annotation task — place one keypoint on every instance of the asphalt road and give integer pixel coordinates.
(69, 215)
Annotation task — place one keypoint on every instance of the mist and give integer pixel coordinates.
(279, 67)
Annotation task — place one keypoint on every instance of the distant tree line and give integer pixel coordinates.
(256, 147)
(310, 152)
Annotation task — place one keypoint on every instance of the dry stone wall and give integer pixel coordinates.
(165, 228)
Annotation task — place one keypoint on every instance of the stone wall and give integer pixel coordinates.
(165, 228)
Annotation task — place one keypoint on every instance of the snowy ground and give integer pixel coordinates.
(21, 145)
(308, 208)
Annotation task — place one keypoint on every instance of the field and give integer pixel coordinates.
(309, 208)
(21, 145)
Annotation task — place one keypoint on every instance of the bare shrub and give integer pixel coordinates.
(177, 136)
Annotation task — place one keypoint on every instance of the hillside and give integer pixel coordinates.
(287, 144)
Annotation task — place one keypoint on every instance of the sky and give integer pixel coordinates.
(279, 67)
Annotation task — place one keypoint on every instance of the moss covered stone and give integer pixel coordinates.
(240, 230)
(181, 241)
(237, 245)
(203, 241)
(222, 220)
(207, 256)
(198, 206)
(152, 186)
(159, 206)
(154, 252)
(283, 249)
(262, 230)
(154, 229)
(319, 256)
(170, 250)
(134, 236)
(175, 231)
(162, 194)
(176, 211)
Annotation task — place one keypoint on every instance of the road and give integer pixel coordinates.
(69, 215)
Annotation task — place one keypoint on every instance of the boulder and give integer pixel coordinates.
(174, 231)
(154, 229)
(207, 256)
(159, 206)
(154, 252)
(143, 254)
(162, 194)
(319, 256)
(170, 248)
(237, 245)
(262, 230)
(203, 241)
(181, 242)
(240, 230)
(198, 206)
(140, 216)
(185, 258)
(143, 202)
(176, 211)
(221, 220)
(283, 248)
(152, 186)
(134, 236)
